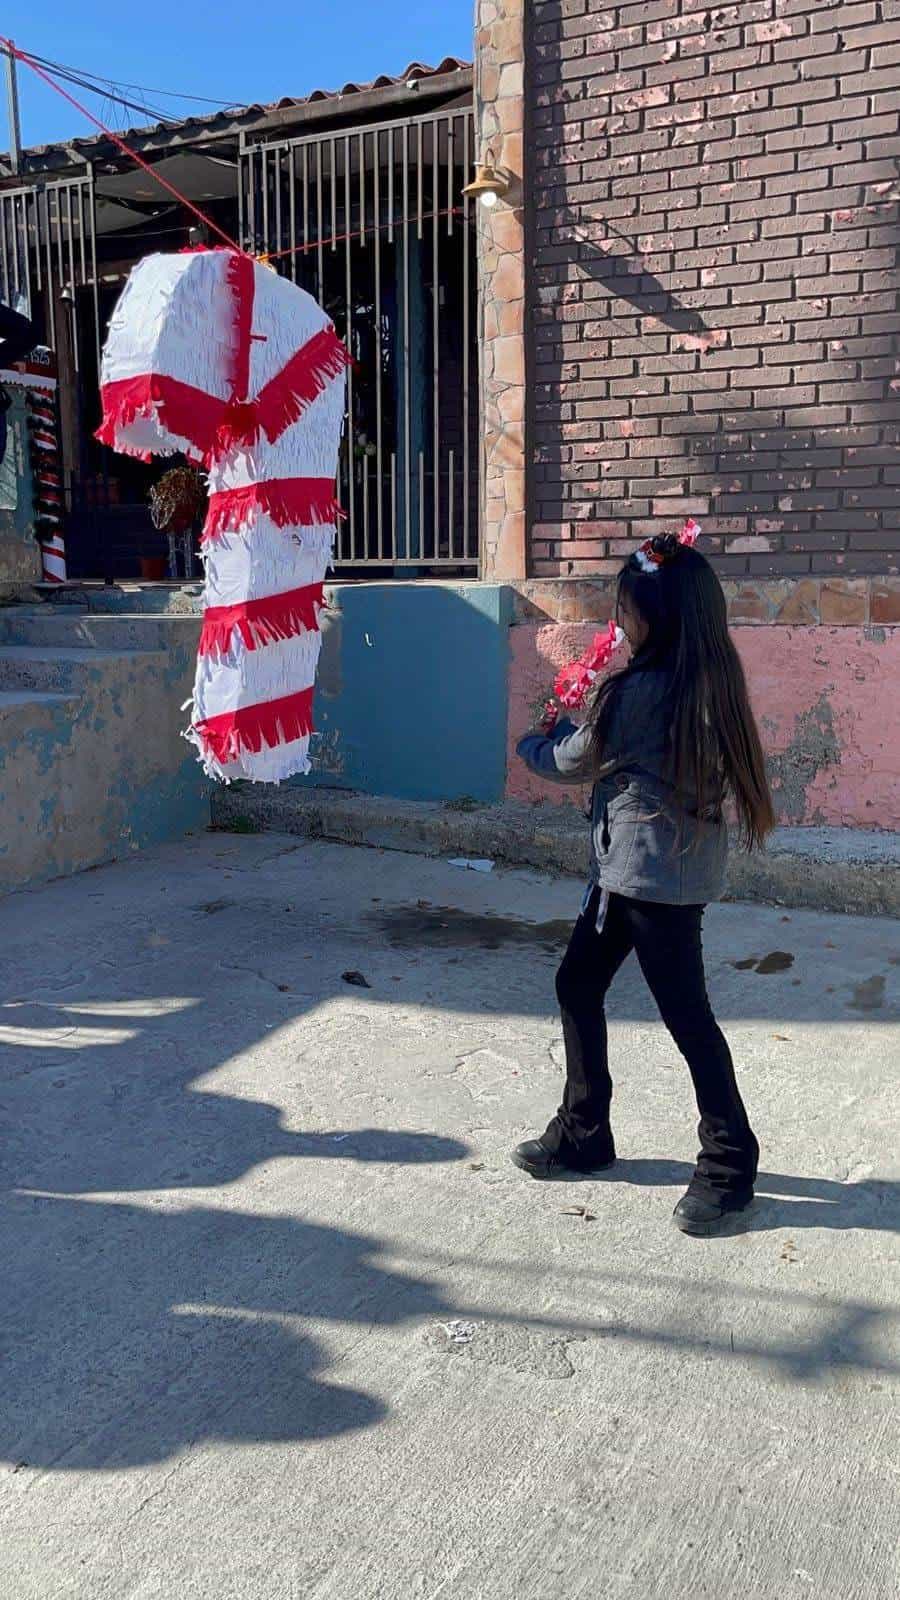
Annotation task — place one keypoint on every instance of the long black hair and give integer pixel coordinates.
(715, 751)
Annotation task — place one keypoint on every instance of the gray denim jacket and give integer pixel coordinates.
(643, 844)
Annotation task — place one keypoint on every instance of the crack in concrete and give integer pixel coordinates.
(148, 1499)
(262, 861)
(263, 977)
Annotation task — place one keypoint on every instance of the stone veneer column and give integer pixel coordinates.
(499, 131)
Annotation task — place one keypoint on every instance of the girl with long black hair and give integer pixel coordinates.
(670, 743)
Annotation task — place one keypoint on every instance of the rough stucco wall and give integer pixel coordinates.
(830, 719)
(827, 705)
(105, 772)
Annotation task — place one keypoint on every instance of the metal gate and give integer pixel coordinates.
(48, 264)
(374, 223)
(48, 254)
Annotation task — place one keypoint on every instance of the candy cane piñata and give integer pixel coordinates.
(214, 355)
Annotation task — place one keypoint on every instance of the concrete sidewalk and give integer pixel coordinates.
(281, 1321)
(816, 869)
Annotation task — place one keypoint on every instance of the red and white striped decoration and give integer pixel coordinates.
(215, 356)
(46, 470)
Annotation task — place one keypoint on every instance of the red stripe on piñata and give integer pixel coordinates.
(302, 380)
(261, 622)
(239, 426)
(269, 723)
(240, 280)
(285, 398)
(180, 408)
(300, 502)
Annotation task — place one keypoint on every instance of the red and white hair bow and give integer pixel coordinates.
(650, 559)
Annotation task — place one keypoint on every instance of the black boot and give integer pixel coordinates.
(703, 1216)
(534, 1158)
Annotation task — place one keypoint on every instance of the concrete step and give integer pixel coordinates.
(18, 707)
(69, 671)
(68, 628)
(93, 764)
(824, 869)
(158, 599)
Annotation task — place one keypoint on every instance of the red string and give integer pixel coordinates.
(126, 149)
(360, 233)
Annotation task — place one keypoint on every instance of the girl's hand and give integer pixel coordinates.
(549, 718)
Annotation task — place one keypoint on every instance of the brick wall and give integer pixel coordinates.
(713, 282)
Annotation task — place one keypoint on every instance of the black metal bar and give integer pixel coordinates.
(292, 186)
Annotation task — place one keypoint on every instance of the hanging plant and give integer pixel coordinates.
(177, 500)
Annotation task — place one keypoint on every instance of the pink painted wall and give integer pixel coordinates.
(826, 699)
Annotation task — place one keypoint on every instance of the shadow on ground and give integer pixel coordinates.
(782, 1201)
(133, 1330)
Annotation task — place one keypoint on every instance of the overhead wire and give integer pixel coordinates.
(107, 91)
(121, 83)
(146, 166)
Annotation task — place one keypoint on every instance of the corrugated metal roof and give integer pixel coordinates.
(237, 116)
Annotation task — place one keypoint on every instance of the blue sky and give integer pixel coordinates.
(228, 51)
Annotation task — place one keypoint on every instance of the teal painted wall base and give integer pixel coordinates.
(411, 703)
(412, 690)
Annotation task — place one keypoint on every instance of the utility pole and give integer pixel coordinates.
(12, 105)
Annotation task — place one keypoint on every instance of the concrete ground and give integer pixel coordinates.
(280, 1321)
